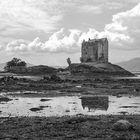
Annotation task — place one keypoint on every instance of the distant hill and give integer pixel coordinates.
(2, 65)
(132, 65)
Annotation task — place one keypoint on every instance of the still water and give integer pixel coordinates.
(60, 106)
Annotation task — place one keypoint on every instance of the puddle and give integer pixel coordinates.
(44, 100)
(60, 106)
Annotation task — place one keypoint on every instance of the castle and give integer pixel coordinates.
(95, 50)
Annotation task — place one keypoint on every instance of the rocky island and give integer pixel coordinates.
(94, 60)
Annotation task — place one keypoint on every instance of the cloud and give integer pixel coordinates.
(21, 15)
(1, 47)
(17, 45)
(60, 41)
(114, 5)
(126, 27)
(31, 17)
(123, 33)
(90, 9)
(99, 5)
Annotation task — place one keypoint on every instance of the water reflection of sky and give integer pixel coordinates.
(133, 77)
(59, 106)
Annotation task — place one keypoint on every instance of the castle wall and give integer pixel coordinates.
(100, 50)
(105, 50)
(95, 50)
(89, 52)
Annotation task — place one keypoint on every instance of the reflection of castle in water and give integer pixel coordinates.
(95, 102)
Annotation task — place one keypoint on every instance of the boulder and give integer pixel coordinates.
(122, 125)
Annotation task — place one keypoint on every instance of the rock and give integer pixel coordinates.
(122, 125)
(5, 99)
(42, 107)
(67, 110)
(35, 109)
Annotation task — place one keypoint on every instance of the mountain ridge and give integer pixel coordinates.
(132, 65)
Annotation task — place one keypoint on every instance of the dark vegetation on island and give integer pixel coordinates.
(17, 66)
(89, 76)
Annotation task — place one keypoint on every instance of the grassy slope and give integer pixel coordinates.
(102, 68)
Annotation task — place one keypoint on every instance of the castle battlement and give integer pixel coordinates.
(95, 50)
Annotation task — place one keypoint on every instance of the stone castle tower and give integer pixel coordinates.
(95, 50)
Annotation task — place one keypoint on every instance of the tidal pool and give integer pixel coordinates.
(73, 105)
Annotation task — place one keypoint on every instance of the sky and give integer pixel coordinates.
(49, 31)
